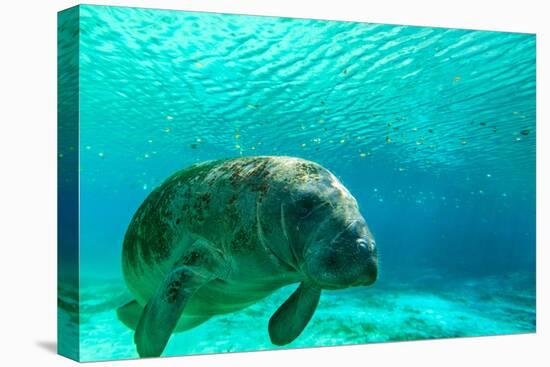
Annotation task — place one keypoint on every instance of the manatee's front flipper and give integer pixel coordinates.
(129, 314)
(292, 317)
(163, 310)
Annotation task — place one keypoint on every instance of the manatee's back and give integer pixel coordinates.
(215, 201)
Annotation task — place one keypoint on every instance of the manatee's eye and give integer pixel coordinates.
(305, 205)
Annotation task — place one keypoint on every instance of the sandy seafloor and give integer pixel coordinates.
(428, 308)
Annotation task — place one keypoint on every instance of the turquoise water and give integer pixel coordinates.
(431, 129)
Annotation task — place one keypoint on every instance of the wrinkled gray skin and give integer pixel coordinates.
(219, 236)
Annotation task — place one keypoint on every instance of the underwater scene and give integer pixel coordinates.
(422, 140)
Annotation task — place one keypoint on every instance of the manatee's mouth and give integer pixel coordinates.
(359, 282)
(347, 259)
(369, 279)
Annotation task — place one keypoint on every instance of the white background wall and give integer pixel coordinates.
(28, 181)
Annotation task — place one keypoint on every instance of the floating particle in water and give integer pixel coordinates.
(145, 186)
(198, 64)
(101, 154)
(418, 142)
(430, 131)
(253, 147)
(481, 192)
(414, 129)
(193, 145)
(237, 146)
(457, 78)
(489, 175)
(518, 138)
(463, 142)
(322, 121)
(87, 147)
(443, 198)
(168, 117)
(322, 102)
(252, 106)
(483, 123)
(494, 129)
(504, 194)
(303, 145)
(381, 200)
(515, 113)
(401, 169)
(342, 141)
(237, 136)
(375, 189)
(317, 140)
(345, 71)
(60, 155)
(362, 155)
(198, 140)
(167, 129)
(524, 132)
(388, 140)
(146, 155)
(150, 141)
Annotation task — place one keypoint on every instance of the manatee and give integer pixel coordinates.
(221, 235)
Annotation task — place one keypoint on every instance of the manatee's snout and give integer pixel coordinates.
(348, 259)
(360, 243)
(368, 253)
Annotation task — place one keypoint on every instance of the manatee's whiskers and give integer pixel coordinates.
(295, 262)
(261, 237)
(259, 229)
(283, 222)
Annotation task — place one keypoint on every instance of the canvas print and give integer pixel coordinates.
(234, 183)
